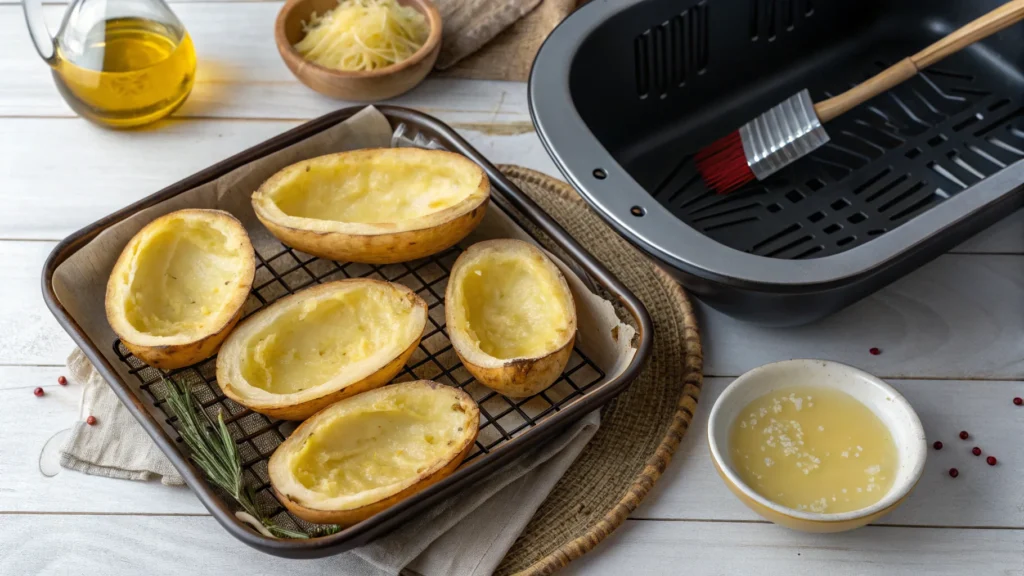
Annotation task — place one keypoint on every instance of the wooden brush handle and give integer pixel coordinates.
(1002, 17)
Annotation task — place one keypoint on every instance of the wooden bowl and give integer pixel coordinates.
(364, 86)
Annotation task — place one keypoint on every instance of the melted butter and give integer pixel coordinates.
(385, 188)
(813, 449)
(514, 306)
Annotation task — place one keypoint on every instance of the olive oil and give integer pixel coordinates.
(126, 72)
(813, 449)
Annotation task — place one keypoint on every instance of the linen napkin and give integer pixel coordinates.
(466, 534)
(116, 446)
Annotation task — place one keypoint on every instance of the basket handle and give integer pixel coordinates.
(1002, 17)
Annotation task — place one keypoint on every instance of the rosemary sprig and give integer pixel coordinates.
(216, 453)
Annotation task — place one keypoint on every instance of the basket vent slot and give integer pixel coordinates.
(769, 18)
(668, 55)
(888, 161)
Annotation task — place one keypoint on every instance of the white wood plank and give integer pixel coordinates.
(123, 546)
(28, 332)
(241, 75)
(699, 549)
(960, 316)
(59, 175)
(28, 377)
(979, 497)
(129, 545)
(27, 422)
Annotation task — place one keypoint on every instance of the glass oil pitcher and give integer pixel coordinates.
(119, 63)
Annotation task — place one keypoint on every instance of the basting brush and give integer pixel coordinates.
(793, 129)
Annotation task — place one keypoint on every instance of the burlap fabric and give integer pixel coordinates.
(641, 429)
(496, 39)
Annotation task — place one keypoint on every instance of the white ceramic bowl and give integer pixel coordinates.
(890, 407)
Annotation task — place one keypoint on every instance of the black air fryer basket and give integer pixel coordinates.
(624, 93)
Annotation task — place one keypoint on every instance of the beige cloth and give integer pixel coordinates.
(117, 446)
(466, 534)
(496, 39)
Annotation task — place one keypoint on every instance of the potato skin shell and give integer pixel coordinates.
(387, 243)
(306, 409)
(171, 357)
(522, 377)
(182, 355)
(356, 515)
(378, 248)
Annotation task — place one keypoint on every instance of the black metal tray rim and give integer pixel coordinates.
(577, 153)
(383, 522)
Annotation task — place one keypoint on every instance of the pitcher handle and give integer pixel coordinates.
(45, 45)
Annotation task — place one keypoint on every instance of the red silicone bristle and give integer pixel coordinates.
(723, 165)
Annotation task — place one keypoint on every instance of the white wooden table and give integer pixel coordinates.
(952, 336)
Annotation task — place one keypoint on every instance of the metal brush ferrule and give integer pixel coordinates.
(781, 135)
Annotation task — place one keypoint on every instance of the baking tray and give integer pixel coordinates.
(624, 92)
(508, 427)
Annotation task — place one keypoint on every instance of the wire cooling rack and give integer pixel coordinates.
(286, 271)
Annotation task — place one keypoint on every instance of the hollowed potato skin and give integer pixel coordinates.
(387, 243)
(522, 377)
(174, 356)
(378, 248)
(356, 515)
(518, 377)
(304, 410)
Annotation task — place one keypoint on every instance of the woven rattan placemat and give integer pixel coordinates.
(641, 429)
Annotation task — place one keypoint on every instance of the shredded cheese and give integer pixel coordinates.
(363, 35)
